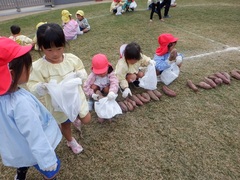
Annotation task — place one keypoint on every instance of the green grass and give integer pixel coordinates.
(191, 136)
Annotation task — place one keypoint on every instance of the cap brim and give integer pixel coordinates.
(100, 71)
(5, 79)
(23, 50)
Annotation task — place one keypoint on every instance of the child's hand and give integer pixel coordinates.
(41, 89)
(52, 168)
(173, 55)
(111, 96)
(95, 96)
(126, 92)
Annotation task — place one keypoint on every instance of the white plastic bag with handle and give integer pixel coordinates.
(149, 80)
(65, 96)
(170, 74)
(106, 108)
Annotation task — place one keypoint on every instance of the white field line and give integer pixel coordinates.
(215, 52)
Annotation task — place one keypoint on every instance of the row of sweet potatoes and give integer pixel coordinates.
(214, 80)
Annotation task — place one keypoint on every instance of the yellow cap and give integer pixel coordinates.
(65, 16)
(80, 12)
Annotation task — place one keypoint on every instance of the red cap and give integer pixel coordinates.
(164, 40)
(100, 64)
(9, 50)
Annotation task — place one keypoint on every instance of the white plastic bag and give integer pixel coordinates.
(107, 109)
(133, 5)
(170, 74)
(65, 96)
(149, 80)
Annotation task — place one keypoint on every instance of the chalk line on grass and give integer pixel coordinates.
(215, 52)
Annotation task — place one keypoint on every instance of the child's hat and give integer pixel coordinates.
(164, 40)
(80, 12)
(122, 49)
(39, 24)
(65, 16)
(9, 50)
(100, 64)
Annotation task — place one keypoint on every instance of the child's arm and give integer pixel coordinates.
(121, 72)
(114, 83)
(87, 84)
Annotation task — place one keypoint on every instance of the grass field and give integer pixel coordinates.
(191, 136)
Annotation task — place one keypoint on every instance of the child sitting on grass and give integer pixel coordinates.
(82, 22)
(128, 68)
(18, 37)
(102, 80)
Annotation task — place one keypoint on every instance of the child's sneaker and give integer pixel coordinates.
(77, 124)
(76, 148)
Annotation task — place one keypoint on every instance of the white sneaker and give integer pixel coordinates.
(76, 148)
(118, 13)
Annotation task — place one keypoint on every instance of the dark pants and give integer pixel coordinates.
(154, 6)
(167, 4)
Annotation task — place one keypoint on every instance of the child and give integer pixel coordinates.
(129, 4)
(82, 22)
(155, 4)
(116, 7)
(128, 68)
(29, 133)
(166, 53)
(18, 37)
(70, 26)
(56, 65)
(102, 78)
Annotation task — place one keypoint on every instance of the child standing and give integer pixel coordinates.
(70, 26)
(155, 4)
(166, 53)
(82, 22)
(29, 133)
(102, 79)
(128, 68)
(18, 37)
(56, 65)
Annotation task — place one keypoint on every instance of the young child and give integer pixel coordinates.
(155, 4)
(128, 68)
(166, 53)
(102, 80)
(56, 65)
(116, 7)
(29, 133)
(18, 37)
(70, 26)
(82, 22)
(129, 4)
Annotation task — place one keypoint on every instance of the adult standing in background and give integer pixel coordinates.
(167, 4)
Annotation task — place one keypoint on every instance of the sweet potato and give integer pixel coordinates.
(204, 85)
(152, 95)
(146, 96)
(168, 91)
(123, 106)
(157, 93)
(191, 85)
(213, 77)
(143, 99)
(227, 75)
(225, 80)
(210, 82)
(136, 99)
(218, 81)
(235, 74)
(132, 102)
(129, 105)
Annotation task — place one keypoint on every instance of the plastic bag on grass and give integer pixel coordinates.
(107, 109)
(149, 80)
(170, 74)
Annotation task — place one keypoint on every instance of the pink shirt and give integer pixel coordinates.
(70, 30)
